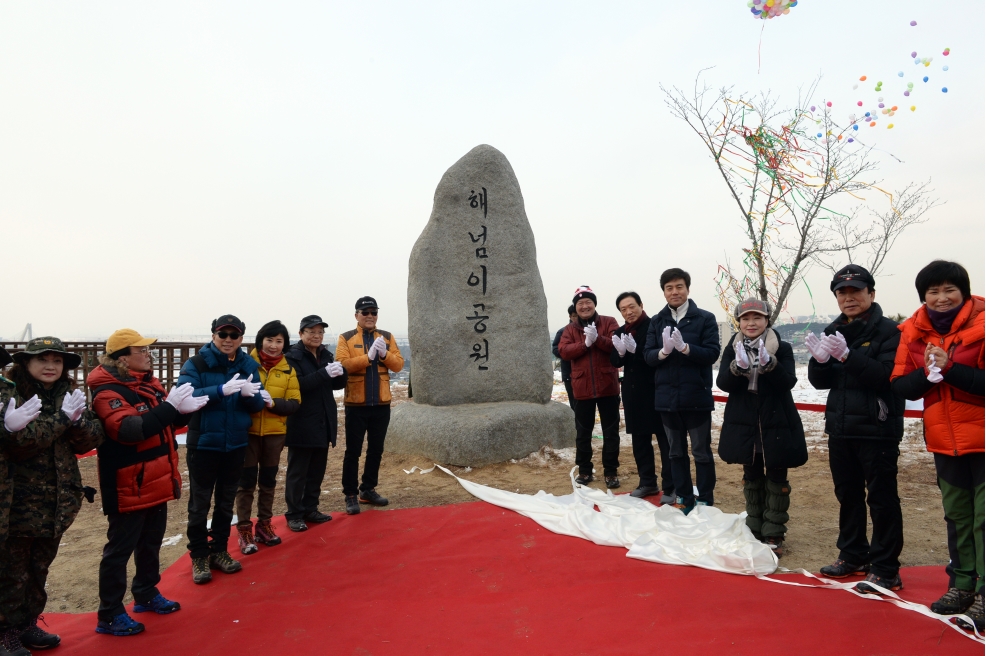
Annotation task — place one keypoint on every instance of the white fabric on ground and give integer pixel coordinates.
(706, 537)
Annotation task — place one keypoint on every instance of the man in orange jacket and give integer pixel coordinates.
(368, 355)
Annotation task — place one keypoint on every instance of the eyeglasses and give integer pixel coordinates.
(368, 313)
(142, 351)
(229, 335)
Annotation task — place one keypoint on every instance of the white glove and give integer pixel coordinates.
(668, 344)
(679, 341)
(267, 398)
(618, 345)
(249, 388)
(372, 351)
(591, 334)
(380, 345)
(178, 394)
(629, 343)
(742, 359)
(816, 348)
(73, 404)
(334, 369)
(231, 386)
(836, 345)
(17, 419)
(934, 373)
(191, 404)
(763, 354)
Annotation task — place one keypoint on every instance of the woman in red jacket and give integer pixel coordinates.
(587, 344)
(940, 360)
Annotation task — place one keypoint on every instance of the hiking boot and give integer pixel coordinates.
(121, 625)
(316, 517)
(584, 479)
(840, 569)
(352, 505)
(642, 492)
(891, 584)
(247, 545)
(34, 637)
(953, 602)
(224, 563)
(685, 508)
(668, 498)
(158, 604)
(974, 613)
(200, 570)
(371, 497)
(612, 482)
(297, 525)
(776, 544)
(264, 533)
(10, 641)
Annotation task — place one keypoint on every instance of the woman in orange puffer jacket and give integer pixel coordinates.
(940, 360)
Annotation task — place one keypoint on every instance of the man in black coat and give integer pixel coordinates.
(864, 420)
(566, 366)
(682, 345)
(314, 427)
(643, 422)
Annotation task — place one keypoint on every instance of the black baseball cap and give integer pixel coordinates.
(311, 321)
(852, 275)
(366, 302)
(229, 320)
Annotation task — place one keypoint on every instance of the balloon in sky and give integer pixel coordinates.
(946, 51)
(767, 9)
(913, 23)
(944, 68)
(944, 89)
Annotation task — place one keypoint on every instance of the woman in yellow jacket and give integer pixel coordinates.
(263, 453)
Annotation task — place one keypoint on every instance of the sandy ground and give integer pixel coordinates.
(812, 533)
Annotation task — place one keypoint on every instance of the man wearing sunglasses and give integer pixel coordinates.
(217, 440)
(313, 428)
(369, 355)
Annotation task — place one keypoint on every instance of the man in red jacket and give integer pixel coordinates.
(587, 344)
(138, 475)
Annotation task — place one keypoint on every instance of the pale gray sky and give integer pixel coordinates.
(163, 163)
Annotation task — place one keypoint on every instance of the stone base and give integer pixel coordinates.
(477, 434)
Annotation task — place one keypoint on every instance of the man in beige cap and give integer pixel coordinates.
(138, 474)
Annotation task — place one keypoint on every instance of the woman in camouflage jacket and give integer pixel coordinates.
(47, 484)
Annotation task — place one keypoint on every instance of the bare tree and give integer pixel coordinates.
(786, 170)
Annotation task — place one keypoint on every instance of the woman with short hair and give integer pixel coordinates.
(940, 360)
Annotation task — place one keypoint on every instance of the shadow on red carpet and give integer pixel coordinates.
(475, 579)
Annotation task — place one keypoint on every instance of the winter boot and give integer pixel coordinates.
(10, 642)
(775, 515)
(756, 502)
(34, 637)
(265, 533)
(247, 545)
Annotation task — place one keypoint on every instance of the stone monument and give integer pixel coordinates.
(481, 373)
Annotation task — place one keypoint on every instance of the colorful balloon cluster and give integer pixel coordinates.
(767, 9)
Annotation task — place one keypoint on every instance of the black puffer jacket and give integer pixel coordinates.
(861, 404)
(316, 423)
(637, 384)
(684, 382)
(767, 415)
(566, 366)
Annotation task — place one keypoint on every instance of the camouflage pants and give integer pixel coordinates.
(24, 566)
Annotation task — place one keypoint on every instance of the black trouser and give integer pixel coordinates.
(758, 470)
(303, 482)
(212, 475)
(865, 472)
(371, 422)
(138, 533)
(571, 397)
(585, 419)
(24, 563)
(679, 426)
(643, 455)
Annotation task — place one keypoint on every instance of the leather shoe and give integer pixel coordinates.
(371, 497)
(297, 525)
(316, 517)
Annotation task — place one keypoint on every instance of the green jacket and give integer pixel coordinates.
(6, 485)
(47, 484)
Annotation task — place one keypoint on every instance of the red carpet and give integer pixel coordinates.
(475, 579)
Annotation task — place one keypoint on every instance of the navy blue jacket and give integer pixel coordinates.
(684, 382)
(221, 425)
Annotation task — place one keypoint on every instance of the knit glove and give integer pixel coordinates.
(816, 348)
(619, 345)
(591, 334)
(629, 343)
(17, 419)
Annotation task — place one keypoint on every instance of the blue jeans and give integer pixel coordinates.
(678, 426)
